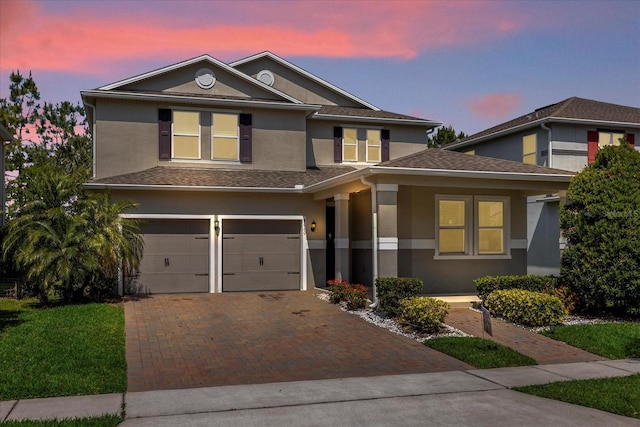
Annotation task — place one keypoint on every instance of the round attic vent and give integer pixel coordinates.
(266, 77)
(205, 78)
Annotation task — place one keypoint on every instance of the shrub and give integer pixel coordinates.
(488, 284)
(354, 295)
(423, 313)
(600, 222)
(526, 307)
(392, 290)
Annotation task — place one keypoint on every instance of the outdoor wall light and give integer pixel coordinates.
(216, 227)
(313, 226)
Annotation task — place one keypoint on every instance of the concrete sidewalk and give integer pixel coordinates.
(479, 397)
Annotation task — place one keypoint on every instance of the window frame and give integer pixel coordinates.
(344, 131)
(472, 229)
(379, 145)
(528, 154)
(214, 136)
(611, 133)
(174, 134)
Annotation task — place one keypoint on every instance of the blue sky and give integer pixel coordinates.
(471, 64)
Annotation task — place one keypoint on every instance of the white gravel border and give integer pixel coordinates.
(383, 321)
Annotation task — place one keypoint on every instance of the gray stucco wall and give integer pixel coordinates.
(543, 231)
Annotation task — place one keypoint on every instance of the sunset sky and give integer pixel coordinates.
(471, 64)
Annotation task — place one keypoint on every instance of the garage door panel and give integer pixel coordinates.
(251, 243)
(176, 243)
(177, 263)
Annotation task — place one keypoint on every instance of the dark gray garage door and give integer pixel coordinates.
(260, 255)
(176, 256)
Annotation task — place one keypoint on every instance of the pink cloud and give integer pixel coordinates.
(496, 106)
(93, 39)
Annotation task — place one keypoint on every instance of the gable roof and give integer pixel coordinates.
(331, 112)
(206, 58)
(293, 67)
(572, 110)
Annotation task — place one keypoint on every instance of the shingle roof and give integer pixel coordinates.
(193, 177)
(334, 110)
(433, 158)
(572, 108)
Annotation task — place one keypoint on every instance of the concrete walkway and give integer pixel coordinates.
(473, 397)
(544, 350)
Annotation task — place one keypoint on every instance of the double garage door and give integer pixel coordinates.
(257, 255)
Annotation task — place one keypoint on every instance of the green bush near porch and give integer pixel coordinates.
(488, 284)
(392, 290)
(526, 307)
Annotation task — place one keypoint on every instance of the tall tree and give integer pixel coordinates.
(443, 136)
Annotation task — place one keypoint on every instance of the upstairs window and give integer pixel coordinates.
(224, 137)
(350, 145)
(185, 135)
(609, 138)
(374, 145)
(529, 149)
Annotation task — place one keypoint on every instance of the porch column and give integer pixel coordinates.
(341, 241)
(387, 230)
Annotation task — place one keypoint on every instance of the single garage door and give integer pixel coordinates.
(260, 255)
(176, 256)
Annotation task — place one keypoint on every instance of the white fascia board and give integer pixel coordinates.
(101, 186)
(471, 174)
(305, 73)
(191, 99)
(334, 117)
(607, 123)
(192, 61)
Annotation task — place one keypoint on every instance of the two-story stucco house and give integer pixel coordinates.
(258, 175)
(565, 135)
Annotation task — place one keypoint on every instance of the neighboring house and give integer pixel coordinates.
(258, 175)
(566, 136)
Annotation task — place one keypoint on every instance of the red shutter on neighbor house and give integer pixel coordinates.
(245, 138)
(384, 135)
(631, 139)
(164, 128)
(592, 146)
(337, 144)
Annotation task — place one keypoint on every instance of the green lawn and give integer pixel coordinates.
(61, 351)
(612, 340)
(104, 421)
(479, 352)
(618, 395)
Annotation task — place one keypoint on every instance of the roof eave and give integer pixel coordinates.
(542, 177)
(147, 187)
(190, 99)
(417, 122)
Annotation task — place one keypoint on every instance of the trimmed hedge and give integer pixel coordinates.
(526, 307)
(392, 290)
(488, 284)
(423, 313)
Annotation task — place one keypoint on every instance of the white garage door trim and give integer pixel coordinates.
(303, 243)
(212, 240)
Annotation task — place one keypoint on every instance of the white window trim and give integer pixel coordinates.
(237, 137)
(379, 146)
(351, 145)
(472, 229)
(199, 135)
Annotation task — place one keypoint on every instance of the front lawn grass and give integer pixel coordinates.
(61, 351)
(478, 352)
(611, 340)
(103, 421)
(619, 395)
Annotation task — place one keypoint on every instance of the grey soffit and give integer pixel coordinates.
(438, 159)
(572, 108)
(192, 177)
(187, 95)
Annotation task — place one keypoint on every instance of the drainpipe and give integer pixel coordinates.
(374, 236)
(550, 162)
(93, 138)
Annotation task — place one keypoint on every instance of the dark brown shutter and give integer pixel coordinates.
(337, 144)
(164, 128)
(592, 146)
(631, 139)
(384, 135)
(245, 138)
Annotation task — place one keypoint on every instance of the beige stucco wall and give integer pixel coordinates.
(405, 140)
(127, 139)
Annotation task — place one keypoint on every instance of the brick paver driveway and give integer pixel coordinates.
(198, 340)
